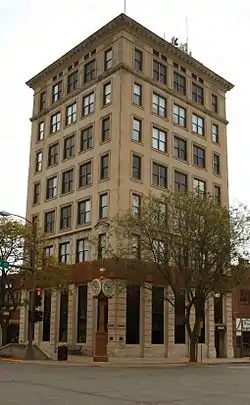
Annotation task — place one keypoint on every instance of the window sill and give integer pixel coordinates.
(138, 105)
(137, 142)
(50, 199)
(159, 187)
(199, 135)
(160, 151)
(67, 193)
(85, 150)
(83, 187)
(103, 180)
(51, 166)
(87, 115)
(105, 105)
(203, 169)
(136, 180)
(180, 126)
(66, 126)
(181, 160)
(67, 158)
(160, 116)
(106, 141)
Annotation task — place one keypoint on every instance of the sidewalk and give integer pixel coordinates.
(128, 362)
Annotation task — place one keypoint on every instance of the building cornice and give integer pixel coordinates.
(125, 22)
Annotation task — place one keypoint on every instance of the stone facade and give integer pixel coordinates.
(117, 327)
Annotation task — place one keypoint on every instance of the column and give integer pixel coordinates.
(210, 327)
(72, 314)
(23, 317)
(228, 321)
(147, 316)
(171, 321)
(54, 318)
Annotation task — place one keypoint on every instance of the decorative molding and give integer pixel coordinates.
(125, 22)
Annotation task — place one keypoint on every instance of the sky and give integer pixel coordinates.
(34, 33)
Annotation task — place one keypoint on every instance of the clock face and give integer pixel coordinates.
(96, 287)
(108, 288)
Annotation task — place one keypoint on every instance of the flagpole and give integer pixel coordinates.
(125, 7)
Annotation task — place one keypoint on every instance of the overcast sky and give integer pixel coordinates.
(33, 33)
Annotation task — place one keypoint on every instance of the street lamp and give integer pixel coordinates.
(29, 353)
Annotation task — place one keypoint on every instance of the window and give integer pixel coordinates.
(107, 93)
(159, 72)
(82, 310)
(85, 174)
(101, 245)
(103, 206)
(71, 114)
(104, 167)
(49, 221)
(105, 129)
(214, 103)
(82, 250)
(198, 125)
(46, 317)
(89, 71)
(67, 181)
(216, 163)
(138, 60)
(199, 157)
(180, 148)
(133, 315)
(159, 140)
(55, 122)
(215, 133)
(53, 153)
(88, 104)
(63, 252)
(64, 300)
(137, 130)
(135, 246)
(159, 177)
(180, 182)
(179, 83)
(42, 100)
(84, 212)
(159, 105)
(137, 94)
(217, 194)
(68, 147)
(86, 141)
(56, 92)
(136, 205)
(197, 94)
(49, 250)
(39, 160)
(199, 186)
(108, 59)
(179, 115)
(72, 82)
(51, 188)
(65, 217)
(40, 132)
(136, 167)
(157, 315)
(36, 193)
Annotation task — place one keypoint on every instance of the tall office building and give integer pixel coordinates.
(123, 113)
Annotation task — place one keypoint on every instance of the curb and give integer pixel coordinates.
(11, 360)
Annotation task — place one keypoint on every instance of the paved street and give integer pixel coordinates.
(41, 384)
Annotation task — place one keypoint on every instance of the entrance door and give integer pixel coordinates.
(219, 342)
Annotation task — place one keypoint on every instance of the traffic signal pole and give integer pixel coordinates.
(29, 353)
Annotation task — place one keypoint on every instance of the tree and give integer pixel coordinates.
(16, 245)
(191, 242)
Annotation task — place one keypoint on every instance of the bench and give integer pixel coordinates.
(75, 349)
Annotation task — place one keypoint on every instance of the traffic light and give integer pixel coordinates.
(38, 297)
(36, 316)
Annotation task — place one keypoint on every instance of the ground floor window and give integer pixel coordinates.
(63, 324)
(157, 315)
(82, 314)
(133, 315)
(46, 316)
(179, 329)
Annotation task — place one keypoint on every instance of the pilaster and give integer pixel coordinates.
(72, 314)
(54, 318)
(228, 320)
(23, 328)
(210, 328)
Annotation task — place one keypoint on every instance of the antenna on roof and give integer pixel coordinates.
(187, 32)
(164, 35)
(125, 6)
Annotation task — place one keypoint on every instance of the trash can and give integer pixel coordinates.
(62, 353)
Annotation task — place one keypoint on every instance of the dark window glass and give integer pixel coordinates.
(63, 256)
(179, 115)
(84, 212)
(42, 100)
(108, 59)
(104, 167)
(159, 72)
(137, 94)
(179, 83)
(89, 71)
(72, 82)
(56, 92)
(63, 325)
(101, 246)
(53, 154)
(67, 181)
(133, 315)
(68, 147)
(85, 174)
(82, 314)
(159, 105)
(180, 148)
(86, 141)
(103, 206)
(199, 157)
(105, 129)
(214, 103)
(198, 125)
(217, 194)
(160, 175)
(197, 94)
(49, 221)
(157, 315)
(46, 316)
(137, 130)
(107, 93)
(216, 163)
(138, 60)
(82, 250)
(88, 104)
(180, 182)
(36, 193)
(180, 319)
(136, 167)
(51, 188)
(66, 217)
